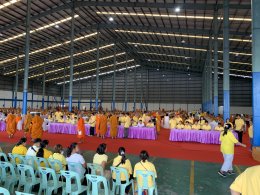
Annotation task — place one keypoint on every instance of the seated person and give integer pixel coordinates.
(20, 148)
(122, 162)
(140, 123)
(60, 119)
(180, 125)
(187, 126)
(150, 124)
(58, 155)
(68, 120)
(34, 149)
(219, 127)
(201, 121)
(47, 152)
(73, 156)
(189, 120)
(206, 126)
(100, 158)
(172, 123)
(144, 165)
(195, 126)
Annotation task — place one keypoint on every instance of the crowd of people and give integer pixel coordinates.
(73, 155)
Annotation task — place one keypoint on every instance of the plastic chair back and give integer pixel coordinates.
(16, 158)
(77, 168)
(47, 174)
(96, 169)
(55, 165)
(7, 168)
(32, 161)
(3, 157)
(25, 171)
(119, 171)
(145, 175)
(94, 181)
(4, 191)
(21, 193)
(42, 162)
(70, 177)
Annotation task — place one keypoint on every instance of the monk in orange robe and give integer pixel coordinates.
(17, 119)
(36, 130)
(158, 123)
(10, 125)
(113, 126)
(27, 123)
(81, 129)
(98, 124)
(103, 126)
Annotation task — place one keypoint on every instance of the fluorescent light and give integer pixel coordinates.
(38, 29)
(183, 41)
(177, 9)
(170, 16)
(57, 26)
(111, 19)
(8, 3)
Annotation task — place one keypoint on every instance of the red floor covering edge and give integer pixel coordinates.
(161, 147)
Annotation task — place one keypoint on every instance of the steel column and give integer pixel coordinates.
(43, 84)
(126, 84)
(97, 72)
(16, 81)
(135, 88)
(210, 76)
(113, 84)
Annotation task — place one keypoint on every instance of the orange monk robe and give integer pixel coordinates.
(158, 123)
(81, 128)
(98, 124)
(27, 122)
(103, 125)
(113, 126)
(10, 124)
(17, 119)
(36, 131)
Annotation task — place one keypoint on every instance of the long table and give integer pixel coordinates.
(205, 137)
(142, 133)
(65, 128)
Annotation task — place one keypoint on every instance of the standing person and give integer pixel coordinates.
(103, 125)
(27, 123)
(239, 127)
(127, 125)
(37, 130)
(172, 123)
(81, 129)
(158, 123)
(92, 123)
(166, 124)
(250, 133)
(113, 126)
(10, 125)
(247, 183)
(19, 122)
(122, 162)
(98, 118)
(144, 165)
(228, 141)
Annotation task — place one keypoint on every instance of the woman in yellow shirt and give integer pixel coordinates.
(20, 147)
(228, 141)
(172, 123)
(196, 126)
(44, 145)
(144, 165)
(201, 121)
(219, 127)
(187, 126)
(150, 124)
(228, 122)
(122, 162)
(206, 126)
(101, 158)
(58, 155)
(250, 133)
(180, 126)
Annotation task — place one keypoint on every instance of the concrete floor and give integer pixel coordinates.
(178, 177)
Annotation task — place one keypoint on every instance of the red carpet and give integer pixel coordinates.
(159, 148)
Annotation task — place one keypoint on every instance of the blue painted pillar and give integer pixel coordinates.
(16, 81)
(135, 89)
(91, 89)
(216, 63)
(71, 55)
(126, 84)
(226, 85)
(32, 94)
(210, 77)
(97, 71)
(256, 70)
(141, 91)
(26, 60)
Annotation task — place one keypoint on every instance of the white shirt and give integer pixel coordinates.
(32, 151)
(77, 158)
(140, 125)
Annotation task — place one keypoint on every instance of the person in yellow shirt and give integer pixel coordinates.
(206, 126)
(228, 122)
(178, 119)
(122, 162)
(180, 126)
(201, 121)
(250, 133)
(20, 148)
(228, 141)
(239, 127)
(195, 126)
(121, 119)
(135, 120)
(44, 145)
(172, 123)
(190, 120)
(58, 155)
(187, 126)
(127, 125)
(247, 183)
(92, 123)
(150, 124)
(219, 127)
(144, 165)
(101, 158)
(58, 115)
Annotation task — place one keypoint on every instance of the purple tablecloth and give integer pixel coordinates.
(205, 137)
(2, 126)
(142, 133)
(65, 128)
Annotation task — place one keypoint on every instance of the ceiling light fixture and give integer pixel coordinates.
(177, 9)
(8, 3)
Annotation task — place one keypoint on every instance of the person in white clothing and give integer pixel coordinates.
(140, 123)
(34, 149)
(73, 156)
(166, 124)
